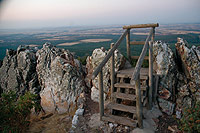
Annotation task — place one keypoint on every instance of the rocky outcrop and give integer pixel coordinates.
(165, 67)
(92, 62)
(189, 85)
(60, 78)
(179, 76)
(18, 71)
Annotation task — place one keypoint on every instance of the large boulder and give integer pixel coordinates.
(18, 71)
(179, 76)
(189, 85)
(92, 62)
(165, 67)
(61, 80)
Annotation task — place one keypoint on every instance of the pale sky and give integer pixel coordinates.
(55, 13)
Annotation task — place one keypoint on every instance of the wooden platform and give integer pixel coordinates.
(144, 72)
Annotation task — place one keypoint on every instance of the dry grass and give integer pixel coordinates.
(68, 44)
(96, 40)
(60, 123)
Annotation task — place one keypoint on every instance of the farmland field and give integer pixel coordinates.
(83, 40)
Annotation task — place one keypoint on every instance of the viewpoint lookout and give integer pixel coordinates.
(129, 87)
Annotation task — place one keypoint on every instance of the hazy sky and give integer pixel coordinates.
(46, 13)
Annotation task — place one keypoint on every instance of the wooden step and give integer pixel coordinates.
(127, 85)
(125, 96)
(121, 75)
(120, 120)
(122, 107)
(127, 73)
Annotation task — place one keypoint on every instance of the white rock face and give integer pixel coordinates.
(60, 79)
(92, 63)
(18, 72)
(163, 58)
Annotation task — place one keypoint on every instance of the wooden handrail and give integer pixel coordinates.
(141, 26)
(105, 60)
(142, 55)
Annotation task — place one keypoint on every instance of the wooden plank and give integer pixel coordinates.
(122, 107)
(129, 71)
(129, 76)
(101, 96)
(128, 45)
(150, 75)
(139, 109)
(120, 120)
(127, 85)
(125, 96)
(112, 78)
(142, 55)
(137, 57)
(137, 43)
(105, 60)
(141, 26)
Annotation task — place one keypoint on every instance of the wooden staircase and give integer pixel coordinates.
(122, 109)
(129, 86)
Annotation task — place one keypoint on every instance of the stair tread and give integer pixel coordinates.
(125, 96)
(121, 75)
(120, 120)
(122, 107)
(128, 85)
(127, 73)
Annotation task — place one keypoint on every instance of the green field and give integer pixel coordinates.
(12, 39)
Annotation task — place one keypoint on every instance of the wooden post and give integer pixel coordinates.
(153, 35)
(128, 45)
(101, 95)
(139, 109)
(112, 72)
(150, 74)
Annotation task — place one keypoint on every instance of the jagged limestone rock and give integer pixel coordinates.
(92, 62)
(60, 79)
(165, 67)
(18, 72)
(190, 61)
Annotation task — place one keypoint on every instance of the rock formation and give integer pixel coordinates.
(165, 67)
(92, 62)
(60, 78)
(18, 71)
(189, 85)
(179, 76)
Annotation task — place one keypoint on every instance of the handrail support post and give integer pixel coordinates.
(112, 72)
(101, 95)
(139, 109)
(150, 75)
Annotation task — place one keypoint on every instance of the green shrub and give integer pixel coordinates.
(14, 111)
(82, 60)
(190, 121)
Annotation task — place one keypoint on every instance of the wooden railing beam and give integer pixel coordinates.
(137, 42)
(141, 26)
(137, 57)
(107, 57)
